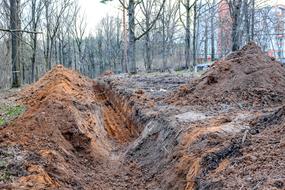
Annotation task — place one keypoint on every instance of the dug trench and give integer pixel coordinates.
(76, 134)
(83, 134)
(138, 132)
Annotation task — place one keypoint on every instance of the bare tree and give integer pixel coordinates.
(147, 8)
(213, 13)
(188, 6)
(15, 41)
(54, 12)
(132, 4)
(36, 12)
(235, 8)
(79, 30)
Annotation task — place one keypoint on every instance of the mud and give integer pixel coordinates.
(150, 131)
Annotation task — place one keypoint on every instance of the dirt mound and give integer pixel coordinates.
(62, 89)
(68, 132)
(247, 77)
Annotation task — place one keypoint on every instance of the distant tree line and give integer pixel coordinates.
(150, 35)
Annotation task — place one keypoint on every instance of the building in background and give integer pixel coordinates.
(224, 30)
(269, 30)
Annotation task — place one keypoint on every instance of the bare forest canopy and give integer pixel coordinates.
(149, 35)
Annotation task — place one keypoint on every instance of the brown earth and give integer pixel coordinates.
(64, 138)
(151, 132)
(246, 78)
(261, 164)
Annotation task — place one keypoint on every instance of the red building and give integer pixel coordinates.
(224, 31)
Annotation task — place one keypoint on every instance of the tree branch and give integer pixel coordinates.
(153, 22)
(19, 30)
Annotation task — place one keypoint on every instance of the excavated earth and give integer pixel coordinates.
(223, 130)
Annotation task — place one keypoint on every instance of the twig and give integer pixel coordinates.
(244, 136)
(166, 149)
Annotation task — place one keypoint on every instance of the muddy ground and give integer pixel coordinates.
(159, 131)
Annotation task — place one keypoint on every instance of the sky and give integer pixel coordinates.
(94, 11)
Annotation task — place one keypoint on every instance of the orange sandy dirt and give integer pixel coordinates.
(71, 133)
(223, 130)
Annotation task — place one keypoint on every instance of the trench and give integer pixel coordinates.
(118, 118)
(139, 143)
(104, 137)
(122, 128)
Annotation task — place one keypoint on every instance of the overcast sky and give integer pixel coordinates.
(95, 11)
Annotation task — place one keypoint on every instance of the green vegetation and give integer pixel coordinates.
(2, 121)
(9, 113)
(5, 176)
(2, 164)
(15, 111)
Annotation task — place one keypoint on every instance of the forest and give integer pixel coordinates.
(151, 35)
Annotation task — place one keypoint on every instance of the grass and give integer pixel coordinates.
(15, 111)
(9, 113)
(2, 121)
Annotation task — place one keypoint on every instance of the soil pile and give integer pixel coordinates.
(247, 77)
(67, 137)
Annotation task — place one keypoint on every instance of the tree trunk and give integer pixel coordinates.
(132, 38)
(235, 24)
(118, 44)
(213, 34)
(148, 53)
(247, 20)
(194, 36)
(34, 41)
(252, 19)
(125, 51)
(14, 24)
(206, 43)
(33, 59)
(187, 35)
(164, 60)
(147, 47)
(47, 51)
(100, 55)
(74, 55)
